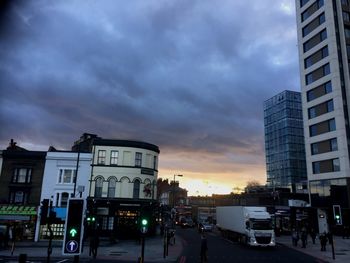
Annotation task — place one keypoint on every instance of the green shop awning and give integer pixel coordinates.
(18, 210)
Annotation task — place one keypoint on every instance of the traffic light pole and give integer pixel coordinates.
(143, 249)
(49, 248)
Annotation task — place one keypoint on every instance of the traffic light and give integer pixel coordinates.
(144, 225)
(90, 219)
(73, 227)
(337, 215)
(44, 209)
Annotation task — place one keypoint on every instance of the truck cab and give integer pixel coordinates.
(259, 230)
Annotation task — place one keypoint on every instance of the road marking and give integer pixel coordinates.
(182, 259)
(64, 260)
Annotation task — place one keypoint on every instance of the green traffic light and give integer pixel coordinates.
(90, 219)
(337, 216)
(73, 232)
(144, 222)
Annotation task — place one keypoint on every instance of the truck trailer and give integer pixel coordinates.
(248, 225)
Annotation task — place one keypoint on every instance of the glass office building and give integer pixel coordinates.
(284, 140)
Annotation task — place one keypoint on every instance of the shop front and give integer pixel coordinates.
(21, 220)
(119, 219)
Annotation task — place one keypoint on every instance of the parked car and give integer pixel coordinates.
(204, 227)
(187, 222)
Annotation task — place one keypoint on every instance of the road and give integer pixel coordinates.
(222, 250)
(219, 250)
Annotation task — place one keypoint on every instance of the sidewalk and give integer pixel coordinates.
(123, 250)
(341, 248)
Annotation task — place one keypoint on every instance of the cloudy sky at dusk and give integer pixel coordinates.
(188, 76)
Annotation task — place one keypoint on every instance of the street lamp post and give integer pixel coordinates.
(179, 175)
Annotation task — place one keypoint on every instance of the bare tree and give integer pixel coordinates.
(252, 184)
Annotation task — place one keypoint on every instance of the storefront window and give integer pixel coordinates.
(324, 193)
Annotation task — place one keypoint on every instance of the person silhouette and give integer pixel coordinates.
(204, 249)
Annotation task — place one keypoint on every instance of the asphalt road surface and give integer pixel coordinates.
(219, 250)
(222, 250)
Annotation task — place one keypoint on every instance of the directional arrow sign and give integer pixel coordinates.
(73, 232)
(72, 246)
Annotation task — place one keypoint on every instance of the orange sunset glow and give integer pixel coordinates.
(205, 175)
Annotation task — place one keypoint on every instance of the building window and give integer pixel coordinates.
(114, 157)
(64, 199)
(101, 158)
(107, 223)
(345, 2)
(321, 109)
(317, 74)
(138, 159)
(326, 166)
(312, 9)
(155, 162)
(22, 175)
(66, 176)
(346, 16)
(136, 190)
(322, 127)
(330, 145)
(347, 32)
(316, 57)
(18, 197)
(111, 187)
(98, 187)
(315, 40)
(303, 2)
(313, 24)
(319, 91)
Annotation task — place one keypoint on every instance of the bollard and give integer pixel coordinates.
(22, 258)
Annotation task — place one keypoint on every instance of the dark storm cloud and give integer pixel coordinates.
(185, 75)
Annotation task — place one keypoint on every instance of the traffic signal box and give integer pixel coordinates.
(337, 215)
(44, 209)
(144, 225)
(74, 227)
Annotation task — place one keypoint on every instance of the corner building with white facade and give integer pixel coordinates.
(323, 28)
(123, 186)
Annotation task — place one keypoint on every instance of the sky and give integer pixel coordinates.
(188, 76)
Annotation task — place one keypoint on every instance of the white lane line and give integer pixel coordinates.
(64, 260)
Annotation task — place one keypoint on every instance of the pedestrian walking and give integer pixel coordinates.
(94, 244)
(295, 237)
(313, 235)
(303, 238)
(204, 249)
(323, 241)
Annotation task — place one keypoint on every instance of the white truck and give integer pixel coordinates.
(248, 225)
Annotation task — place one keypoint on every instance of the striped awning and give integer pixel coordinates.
(20, 210)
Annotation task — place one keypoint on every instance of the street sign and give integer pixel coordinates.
(74, 230)
(72, 246)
